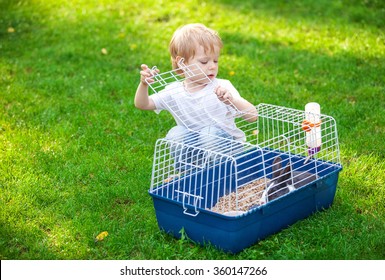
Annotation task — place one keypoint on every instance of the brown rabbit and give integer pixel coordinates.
(285, 180)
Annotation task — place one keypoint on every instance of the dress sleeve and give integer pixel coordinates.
(158, 101)
(163, 97)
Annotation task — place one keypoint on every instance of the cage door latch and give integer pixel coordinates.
(196, 199)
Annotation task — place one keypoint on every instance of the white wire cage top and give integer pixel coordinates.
(188, 94)
(295, 132)
(191, 75)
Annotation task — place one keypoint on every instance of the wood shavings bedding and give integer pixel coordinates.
(248, 196)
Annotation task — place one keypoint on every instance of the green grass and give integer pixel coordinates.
(76, 156)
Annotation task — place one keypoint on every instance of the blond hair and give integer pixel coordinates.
(186, 39)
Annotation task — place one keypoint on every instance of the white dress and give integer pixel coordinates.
(200, 109)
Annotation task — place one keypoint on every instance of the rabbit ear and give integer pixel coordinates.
(286, 174)
(276, 166)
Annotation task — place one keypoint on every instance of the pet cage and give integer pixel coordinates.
(233, 192)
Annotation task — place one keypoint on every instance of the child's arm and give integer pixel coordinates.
(142, 100)
(240, 103)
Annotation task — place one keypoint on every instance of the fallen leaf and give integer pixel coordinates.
(101, 236)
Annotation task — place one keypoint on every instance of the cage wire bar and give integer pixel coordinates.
(204, 171)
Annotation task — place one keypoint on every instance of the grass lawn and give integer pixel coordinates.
(76, 156)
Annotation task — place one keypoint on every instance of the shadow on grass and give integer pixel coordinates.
(352, 12)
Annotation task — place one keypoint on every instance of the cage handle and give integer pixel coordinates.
(194, 165)
(183, 160)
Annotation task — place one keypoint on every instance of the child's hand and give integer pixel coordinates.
(146, 73)
(223, 95)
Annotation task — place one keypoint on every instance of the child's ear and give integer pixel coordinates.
(180, 61)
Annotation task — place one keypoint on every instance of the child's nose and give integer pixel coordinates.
(212, 65)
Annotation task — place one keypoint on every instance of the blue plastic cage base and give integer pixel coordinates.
(233, 234)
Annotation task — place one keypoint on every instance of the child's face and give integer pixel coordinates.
(208, 62)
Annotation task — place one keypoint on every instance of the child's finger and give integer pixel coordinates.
(154, 71)
(145, 74)
(219, 91)
(227, 95)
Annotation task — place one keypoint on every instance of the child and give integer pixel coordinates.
(203, 111)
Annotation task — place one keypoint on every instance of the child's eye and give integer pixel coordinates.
(204, 62)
